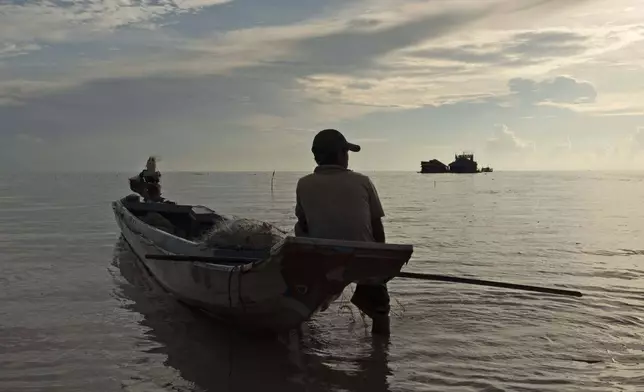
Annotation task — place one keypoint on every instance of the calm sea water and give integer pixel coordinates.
(78, 313)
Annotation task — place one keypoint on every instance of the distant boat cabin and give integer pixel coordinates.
(464, 163)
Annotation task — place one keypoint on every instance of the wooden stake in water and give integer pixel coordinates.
(272, 178)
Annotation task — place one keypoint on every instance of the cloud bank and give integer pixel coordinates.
(204, 82)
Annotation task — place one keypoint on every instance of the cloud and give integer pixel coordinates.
(405, 92)
(360, 85)
(118, 105)
(314, 46)
(565, 146)
(562, 89)
(351, 49)
(637, 140)
(506, 141)
(520, 49)
(283, 56)
(11, 50)
(25, 138)
(353, 40)
(115, 77)
(520, 53)
(370, 140)
(51, 21)
(350, 52)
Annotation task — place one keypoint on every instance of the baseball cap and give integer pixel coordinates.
(331, 140)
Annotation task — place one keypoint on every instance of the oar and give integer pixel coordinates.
(455, 279)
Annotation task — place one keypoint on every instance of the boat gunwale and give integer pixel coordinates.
(256, 261)
(300, 240)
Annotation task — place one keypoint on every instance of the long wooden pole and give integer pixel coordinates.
(455, 279)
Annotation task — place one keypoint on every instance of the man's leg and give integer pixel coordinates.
(374, 300)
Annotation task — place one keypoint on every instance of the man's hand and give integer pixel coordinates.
(301, 229)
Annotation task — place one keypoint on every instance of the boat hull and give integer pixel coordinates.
(278, 291)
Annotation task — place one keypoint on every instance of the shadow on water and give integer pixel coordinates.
(216, 357)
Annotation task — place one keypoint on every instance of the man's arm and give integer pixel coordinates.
(377, 213)
(301, 227)
(378, 230)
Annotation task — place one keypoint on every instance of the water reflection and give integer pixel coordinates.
(216, 357)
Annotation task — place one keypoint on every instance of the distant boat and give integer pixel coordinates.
(463, 163)
(433, 166)
(487, 169)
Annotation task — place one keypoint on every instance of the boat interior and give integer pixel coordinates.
(186, 221)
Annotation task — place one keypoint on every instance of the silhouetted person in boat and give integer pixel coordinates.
(148, 182)
(336, 203)
(154, 192)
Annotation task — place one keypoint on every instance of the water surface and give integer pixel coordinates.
(78, 313)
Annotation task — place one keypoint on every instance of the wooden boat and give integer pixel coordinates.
(274, 289)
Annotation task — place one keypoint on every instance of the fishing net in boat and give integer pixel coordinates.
(159, 221)
(243, 233)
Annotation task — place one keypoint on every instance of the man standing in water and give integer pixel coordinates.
(336, 203)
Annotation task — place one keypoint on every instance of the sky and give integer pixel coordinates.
(217, 85)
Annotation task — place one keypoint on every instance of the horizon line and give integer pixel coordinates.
(309, 171)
